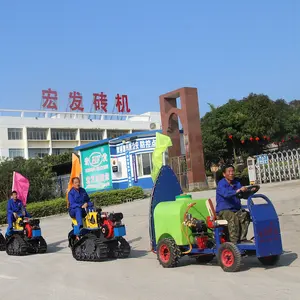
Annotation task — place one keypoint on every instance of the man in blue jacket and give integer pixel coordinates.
(15, 209)
(79, 201)
(229, 206)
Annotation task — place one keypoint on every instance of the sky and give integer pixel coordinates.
(226, 49)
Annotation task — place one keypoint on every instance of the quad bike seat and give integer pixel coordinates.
(89, 221)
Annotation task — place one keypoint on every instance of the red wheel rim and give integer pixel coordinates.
(227, 258)
(164, 253)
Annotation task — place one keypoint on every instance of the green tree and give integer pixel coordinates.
(38, 171)
(228, 128)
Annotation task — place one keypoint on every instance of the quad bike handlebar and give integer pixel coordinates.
(250, 190)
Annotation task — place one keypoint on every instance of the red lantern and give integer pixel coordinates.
(251, 139)
(268, 138)
(242, 141)
(230, 137)
(265, 137)
(257, 138)
(282, 141)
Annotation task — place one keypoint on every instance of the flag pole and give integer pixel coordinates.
(13, 183)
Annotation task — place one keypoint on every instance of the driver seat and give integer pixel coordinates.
(211, 207)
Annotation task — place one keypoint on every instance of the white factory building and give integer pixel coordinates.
(38, 133)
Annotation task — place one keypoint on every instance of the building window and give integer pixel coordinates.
(57, 151)
(38, 152)
(63, 135)
(16, 153)
(144, 162)
(111, 134)
(91, 135)
(15, 133)
(37, 134)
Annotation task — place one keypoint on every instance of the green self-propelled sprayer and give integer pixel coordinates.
(180, 225)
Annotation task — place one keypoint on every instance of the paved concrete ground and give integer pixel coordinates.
(56, 275)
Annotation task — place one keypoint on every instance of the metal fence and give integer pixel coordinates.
(61, 185)
(179, 166)
(278, 166)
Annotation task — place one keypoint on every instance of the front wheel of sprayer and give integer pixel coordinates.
(229, 257)
(168, 253)
(269, 260)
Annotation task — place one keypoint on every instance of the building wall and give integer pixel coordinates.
(109, 126)
(125, 170)
(118, 153)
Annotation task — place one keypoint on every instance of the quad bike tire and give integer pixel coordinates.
(16, 246)
(2, 243)
(168, 253)
(89, 248)
(269, 260)
(119, 248)
(229, 257)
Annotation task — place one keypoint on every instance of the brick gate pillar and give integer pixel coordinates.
(190, 120)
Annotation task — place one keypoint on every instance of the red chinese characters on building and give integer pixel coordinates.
(76, 103)
(49, 99)
(100, 101)
(122, 103)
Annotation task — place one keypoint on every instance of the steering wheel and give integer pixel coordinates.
(251, 190)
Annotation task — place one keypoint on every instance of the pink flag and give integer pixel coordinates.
(21, 186)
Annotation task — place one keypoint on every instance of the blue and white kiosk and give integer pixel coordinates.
(118, 163)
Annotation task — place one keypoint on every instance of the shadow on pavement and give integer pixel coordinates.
(138, 253)
(55, 247)
(135, 253)
(251, 262)
(135, 240)
(287, 258)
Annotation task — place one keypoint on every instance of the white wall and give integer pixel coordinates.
(139, 122)
(18, 122)
(122, 172)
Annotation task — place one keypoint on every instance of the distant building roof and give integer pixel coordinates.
(91, 145)
(114, 141)
(126, 137)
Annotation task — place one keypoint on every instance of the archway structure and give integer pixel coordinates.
(190, 119)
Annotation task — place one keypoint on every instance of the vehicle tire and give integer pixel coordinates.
(168, 253)
(122, 249)
(15, 245)
(229, 257)
(269, 260)
(71, 239)
(42, 247)
(2, 243)
(204, 259)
